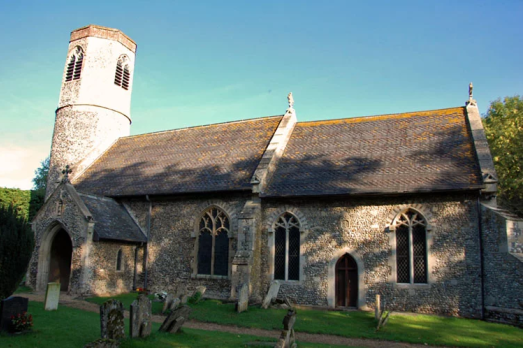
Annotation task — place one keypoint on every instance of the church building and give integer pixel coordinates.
(338, 211)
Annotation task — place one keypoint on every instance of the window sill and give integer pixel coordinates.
(412, 285)
(208, 276)
(288, 282)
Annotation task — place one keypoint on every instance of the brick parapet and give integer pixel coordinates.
(103, 33)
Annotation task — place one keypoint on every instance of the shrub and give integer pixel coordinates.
(16, 247)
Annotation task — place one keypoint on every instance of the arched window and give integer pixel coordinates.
(122, 75)
(213, 243)
(119, 260)
(74, 67)
(411, 248)
(287, 248)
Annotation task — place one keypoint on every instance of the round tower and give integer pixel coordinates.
(94, 109)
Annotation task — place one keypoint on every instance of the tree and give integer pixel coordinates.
(504, 129)
(40, 179)
(16, 247)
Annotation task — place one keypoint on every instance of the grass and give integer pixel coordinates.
(72, 328)
(23, 289)
(421, 329)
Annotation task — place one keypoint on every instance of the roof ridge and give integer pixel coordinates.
(369, 117)
(201, 126)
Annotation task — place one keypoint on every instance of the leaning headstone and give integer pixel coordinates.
(52, 296)
(111, 320)
(11, 306)
(103, 343)
(180, 291)
(175, 303)
(243, 299)
(272, 293)
(167, 302)
(201, 290)
(377, 309)
(140, 319)
(184, 298)
(176, 319)
(287, 337)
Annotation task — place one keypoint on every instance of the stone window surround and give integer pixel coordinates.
(304, 230)
(231, 214)
(73, 52)
(427, 216)
(120, 254)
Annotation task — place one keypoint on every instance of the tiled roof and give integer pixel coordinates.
(111, 220)
(219, 157)
(409, 152)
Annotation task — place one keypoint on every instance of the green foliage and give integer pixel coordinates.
(27, 202)
(40, 179)
(504, 129)
(16, 247)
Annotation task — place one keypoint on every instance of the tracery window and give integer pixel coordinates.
(119, 259)
(74, 67)
(213, 243)
(411, 248)
(287, 248)
(122, 75)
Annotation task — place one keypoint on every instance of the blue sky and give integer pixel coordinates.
(201, 62)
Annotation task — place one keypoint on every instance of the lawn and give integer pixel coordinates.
(433, 330)
(73, 328)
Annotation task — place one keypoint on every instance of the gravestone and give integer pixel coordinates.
(176, 319)
(52, 296)
(140, 322)
(167, 302)
(272, 293)
(287, 337)
(111, 320)
(243, 299)
(103, 343)
(201, 290)
(180, 291)
(175, 303)
(183, 299)
(10, 306)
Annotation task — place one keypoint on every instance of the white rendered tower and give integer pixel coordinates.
(94, 109)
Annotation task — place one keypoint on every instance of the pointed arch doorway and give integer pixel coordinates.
(60, 260)
(346, 282)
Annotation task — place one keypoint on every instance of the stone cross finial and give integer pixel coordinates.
(291, 100)
(471, 100)
(66, 173)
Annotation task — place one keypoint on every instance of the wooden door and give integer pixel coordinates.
(346, 282)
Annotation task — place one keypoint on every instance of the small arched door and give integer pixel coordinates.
(346, 282)
(60, 260)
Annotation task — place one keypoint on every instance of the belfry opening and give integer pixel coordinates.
(60, 260)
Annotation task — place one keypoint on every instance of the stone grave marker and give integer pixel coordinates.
(140, 322)
(10, 306)
(181, 290)
(111, 320)
(167, 302)
(201, 290)
(175, 303)
(287, 337)
(176, 319)
(272, 293)
(183, 299)
(52, 296)
(243, 298)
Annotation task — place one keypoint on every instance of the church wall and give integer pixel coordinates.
(105, 279)
(503, 262)
(52, 217)
(172, 255)
(360, 226)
